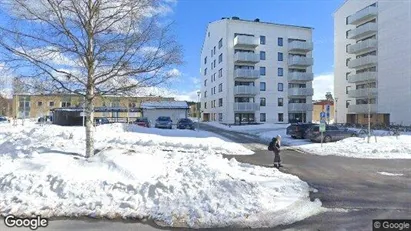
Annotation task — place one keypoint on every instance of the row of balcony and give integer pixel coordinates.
(250, 42)
(248, 74)
(253, 58)
(369, 60)
(253, 90)
(292, 107)
(363, 31)
(363, 77)
(363, 15)
(363, 93)
(362, 47)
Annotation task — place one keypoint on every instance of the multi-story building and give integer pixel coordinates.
(372, 61)
(256, 71)
(34, 106)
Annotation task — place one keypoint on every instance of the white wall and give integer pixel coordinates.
(174, 114)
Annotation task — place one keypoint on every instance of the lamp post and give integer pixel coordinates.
(198, 110)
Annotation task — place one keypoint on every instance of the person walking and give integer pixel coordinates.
(274, 146)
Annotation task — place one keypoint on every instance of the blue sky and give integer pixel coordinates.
(192, 16)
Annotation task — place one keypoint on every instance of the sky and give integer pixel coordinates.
(191, 18)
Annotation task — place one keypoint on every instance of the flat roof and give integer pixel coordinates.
(269, 23)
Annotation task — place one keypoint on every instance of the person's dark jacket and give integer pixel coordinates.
(275, 146)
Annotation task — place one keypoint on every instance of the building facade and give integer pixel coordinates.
(372, 62)
(35, 106)
(254, 71)
(321, 106)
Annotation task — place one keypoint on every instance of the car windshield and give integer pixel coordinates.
(164, 119)
(185, 120)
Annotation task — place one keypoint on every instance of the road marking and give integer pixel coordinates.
(390, 174)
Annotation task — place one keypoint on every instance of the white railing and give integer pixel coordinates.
(362, 46)
(362, 77)
(247, 73)
(300, 76)
(246, 57)
(300, 46)
(246, 90)
(246, 107)
(362, 108)
(363, 14)
(300, 61)
(299, 107)
(362, 93)
(243, 40)
(363, 61)
(300, 91)
(363, 30)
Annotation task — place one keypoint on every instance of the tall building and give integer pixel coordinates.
(255, 71)
(372, 61)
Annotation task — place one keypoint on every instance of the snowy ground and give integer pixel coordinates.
(175, 177)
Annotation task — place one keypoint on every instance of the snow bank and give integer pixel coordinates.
(388, 147)
(169, 176)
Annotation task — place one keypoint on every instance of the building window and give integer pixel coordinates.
(214, 90)
(220, 117)
(280, 71)
(214, 50)
(280, 42)
(262, 102)
(220, 87)
(220, 58)
(39, 104)
(205, 105)
(347, 89)
(280, 56)
(347, 103)
(346, 20)
(220, 73)
(65, 104)
(220, 102)
(205, 71)
(280, 102)
(211, 53)
(346, 47)
(205, 83)
(262, 55)
(214, 63)
(280, 87)
(220, 43)
(208, 34)
(347, 61)
(262, 40)
(262, 117)
(205, 60)
(262, 70)
(205, 94)
(280, 117)
(51, 104)
(346, 75)
(262, 86)
(346, 33)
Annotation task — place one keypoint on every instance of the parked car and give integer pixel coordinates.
(100, 121)
(298, 130)
(164, 122)
(185, 124)
(3, 119)
(143, 122)
(45, 119)
(332, 133)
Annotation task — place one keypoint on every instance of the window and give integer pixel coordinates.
(220, 43)
(214, 63)
(280, 87)
(347, 89)
(346, 47)
(220, 58)
(262, 86)
(65, 104)
(214, 49)
(280, 102)
(262, 40)
(280, 117)
(214, 90)
(220, 73)
(262, 55)
(205, 71)
(214, 102)
(220, 87)
(346, 75)
(346, 33)
(211, 53)
(51, 104)
(262, 102)
(346, 61)
(280, 71)
(220, 102)
(262, 117)
(205, 60)
(208, 34)
(220, 117)
(205, 94)
(262, 70)
(280, 56)
(205, 83)
(39, 104)
(205, 105)
(346, 20)
(347, 103)
(280, 42)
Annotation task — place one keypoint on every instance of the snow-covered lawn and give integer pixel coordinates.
(175, 177)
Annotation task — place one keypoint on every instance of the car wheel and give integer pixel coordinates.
(327, 139)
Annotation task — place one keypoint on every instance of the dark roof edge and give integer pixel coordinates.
(270, 23)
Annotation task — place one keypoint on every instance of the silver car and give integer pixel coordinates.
(332, 133)
(164, 122)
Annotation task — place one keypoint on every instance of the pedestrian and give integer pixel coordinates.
(274, 146)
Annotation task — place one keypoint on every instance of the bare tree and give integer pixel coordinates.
(89, 47)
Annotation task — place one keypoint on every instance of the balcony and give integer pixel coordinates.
(363, 93)
(246, 107)
(246, 74)
(369, 60)
(245, 41)
(246, 90)
(363, 15)
(300, 61)
(304, 92)
(364, 46)
(246, 57)
(363, 77)
(299, 46)
(300, 77)
(362, 108)
(299, 107)
(363, 31)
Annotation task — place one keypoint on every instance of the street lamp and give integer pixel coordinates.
(198, 110)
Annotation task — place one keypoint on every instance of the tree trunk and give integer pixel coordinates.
(89, 123)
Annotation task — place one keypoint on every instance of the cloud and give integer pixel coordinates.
(174, 73)
(322, 84)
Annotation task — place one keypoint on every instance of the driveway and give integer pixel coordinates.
(351, 189)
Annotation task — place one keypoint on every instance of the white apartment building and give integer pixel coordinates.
(256, 71)
(372, 61)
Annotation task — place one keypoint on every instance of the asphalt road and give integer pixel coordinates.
(352, 189)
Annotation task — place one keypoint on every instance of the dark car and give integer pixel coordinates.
(185, 124)
(44, 119)
(143, 122)
(100, 121)
(332, 133)
(164, 122)
(3, 119)
(298, 130)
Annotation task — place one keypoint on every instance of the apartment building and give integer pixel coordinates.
(372, 62)
(255, 71)
(35, 106)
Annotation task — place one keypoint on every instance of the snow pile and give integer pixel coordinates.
(388, 147)
(171, 177)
